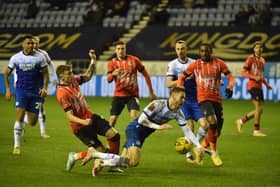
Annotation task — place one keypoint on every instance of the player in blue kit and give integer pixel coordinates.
(155, 116)
(190, 107)
(29, 65)
(42, 112)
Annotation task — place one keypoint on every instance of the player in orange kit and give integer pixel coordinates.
(207, 71)
(253, 69)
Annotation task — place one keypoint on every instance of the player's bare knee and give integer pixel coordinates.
(33, 123)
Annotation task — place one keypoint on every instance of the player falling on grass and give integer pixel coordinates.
(123, 69)
(29, 65)
(207, 71)
(154, 117)
(42, 113)
(190, 107)
(253, 69)
(85, 124)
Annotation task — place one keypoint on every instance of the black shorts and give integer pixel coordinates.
(256, 94)
(210, 108)
(118, 104)
(88, 134)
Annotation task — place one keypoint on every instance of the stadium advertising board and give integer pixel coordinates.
(155, 42)
(62, 43)
(229, 43)
(98, 86)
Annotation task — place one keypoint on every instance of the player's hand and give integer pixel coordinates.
(269, 87)
(165, 126)
(116, 72)
(153, 96)
(229, 93)
(88, 121)
(258, 78)
(92, 54)
(43, 92)
(8, 95)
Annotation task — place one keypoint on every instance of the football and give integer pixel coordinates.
(182, 145)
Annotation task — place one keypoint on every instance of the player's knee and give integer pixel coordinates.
(115, 138)
(113, 121)
(33, 123)
(212, 120)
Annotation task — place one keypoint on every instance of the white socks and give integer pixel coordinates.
(104, 156)
(17, 133)
(42, 122)
(200, 134)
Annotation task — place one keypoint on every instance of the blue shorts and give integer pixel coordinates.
(191, 110)
(136, 134)
(30, 101)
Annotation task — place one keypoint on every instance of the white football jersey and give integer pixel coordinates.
(158, 112)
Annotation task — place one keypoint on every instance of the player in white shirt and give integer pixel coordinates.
(155, 116)
(190, 108)
(53, 76)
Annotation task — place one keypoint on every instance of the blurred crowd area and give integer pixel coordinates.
(126, 12)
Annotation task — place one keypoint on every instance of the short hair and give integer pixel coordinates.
(36, 38)
(62, 68)
(180, 42)
(209, 46)
(257, 43)
(27, 37)
(118, 43)
(177, 89)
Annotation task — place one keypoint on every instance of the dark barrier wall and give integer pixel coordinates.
(66, 43)
(156, 42)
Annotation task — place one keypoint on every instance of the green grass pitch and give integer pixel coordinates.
(248, 161)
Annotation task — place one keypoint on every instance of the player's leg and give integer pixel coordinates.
(73, 157)
(113, 140)
(42, 122)
(32, 109)
(87, 135)
(189, 156)
(117, 106)
(134, 154)
(257, 117)
(199, 117)
(208, 108)
(133, 107)
(201, 131)
(255, 96)
(133, 144)
(240, 122)
(18, 129)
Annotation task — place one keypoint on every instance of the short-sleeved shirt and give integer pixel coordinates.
(208, 78)
(175, 68)
(255, 67)
(158, 112)
(126, 82)
(70, 98)
(29, 70)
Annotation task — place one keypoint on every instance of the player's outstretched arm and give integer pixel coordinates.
(149, 84)
(92, 66)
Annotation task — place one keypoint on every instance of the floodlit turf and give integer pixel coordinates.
(248, 161)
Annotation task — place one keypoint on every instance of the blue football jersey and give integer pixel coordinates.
(28, 69)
